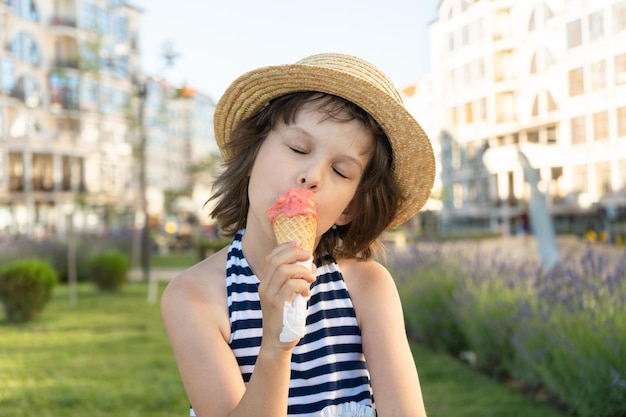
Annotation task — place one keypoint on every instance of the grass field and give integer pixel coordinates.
(108, 356)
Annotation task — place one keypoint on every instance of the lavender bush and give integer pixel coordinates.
(562, 330)
(574, 339)
(426, 286)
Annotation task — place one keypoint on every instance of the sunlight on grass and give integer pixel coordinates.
(451, 389)
(109, 356)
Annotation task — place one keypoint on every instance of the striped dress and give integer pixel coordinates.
(327, 366)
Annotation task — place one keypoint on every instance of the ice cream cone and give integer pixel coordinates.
(294, 218)
(301, 229)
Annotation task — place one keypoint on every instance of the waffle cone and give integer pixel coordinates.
(300, 228)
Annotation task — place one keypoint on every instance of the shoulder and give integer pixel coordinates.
(362, 274)
(199, 291)
(370, 285)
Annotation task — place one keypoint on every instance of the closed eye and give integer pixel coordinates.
(297, 150)
(341, 174)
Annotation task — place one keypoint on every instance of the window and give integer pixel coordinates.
(7, 76)
(87, 18)
(42, 178)
(621, 123)
(603, 177)
(531, 22)
(551, 103)
(16, 172)
(482, 105)
(24, 8)
(601, 125)
(465, 36)
(469, 112)
(574, 37)
(64, 91)
(556, 175)
(533, 64)
(502, 24)
(548, 57)
(456, 155)
(505, 107)
(547, 12)
(24, 48)
(598, 75)
(577, 126)
(25, 125)
(576, 82)
(596, 25)
(579, 177)
(535, 110)
(620, 69)
(532, 136)
(27, 90)
(451, 42)
(619, 16)
(103, 21)
(551, 135)
(503, 66)
(454, 120)
(120, 29)
(458, 195)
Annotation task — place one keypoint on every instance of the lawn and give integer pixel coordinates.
(108, 356)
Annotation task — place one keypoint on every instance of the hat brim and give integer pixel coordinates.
(414, 161)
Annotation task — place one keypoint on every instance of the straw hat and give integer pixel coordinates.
(355, 80)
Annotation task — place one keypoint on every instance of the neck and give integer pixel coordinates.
(256, 247)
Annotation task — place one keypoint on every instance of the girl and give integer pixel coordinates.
(333, 124)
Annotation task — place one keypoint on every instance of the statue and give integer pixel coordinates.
(540, 219)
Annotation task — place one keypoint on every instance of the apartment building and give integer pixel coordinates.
(66, 81)
(546, 78)
(73, 100)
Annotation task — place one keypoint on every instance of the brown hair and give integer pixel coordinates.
(373, 206)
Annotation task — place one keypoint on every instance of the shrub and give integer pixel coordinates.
(427, 279)
(25, 288)
(560, 332)
(208, 247)
(109, 270)
(575, 338)
(55, 251)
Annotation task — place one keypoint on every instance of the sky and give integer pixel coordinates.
(218, 40)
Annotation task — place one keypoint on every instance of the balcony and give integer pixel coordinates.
(63, 21)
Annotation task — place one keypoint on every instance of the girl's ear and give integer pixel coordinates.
(345, 218)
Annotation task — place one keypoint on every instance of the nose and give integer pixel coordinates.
(310, 178)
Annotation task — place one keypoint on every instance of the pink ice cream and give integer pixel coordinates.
(294, 202)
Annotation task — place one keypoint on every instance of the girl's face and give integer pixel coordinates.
(315, 152)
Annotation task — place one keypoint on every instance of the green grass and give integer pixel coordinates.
(451, 389)
(108, 356)
(176, 260)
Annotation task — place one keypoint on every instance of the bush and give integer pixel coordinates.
(427, 280)
(208, 247)
(560, 332)
(574, 341)
(109, 270)
(25, 288)
(55, 252)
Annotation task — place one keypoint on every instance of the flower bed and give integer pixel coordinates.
(561, 331)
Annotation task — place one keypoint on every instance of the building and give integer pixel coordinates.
(74, 107)
(64, 142)
(543, 77)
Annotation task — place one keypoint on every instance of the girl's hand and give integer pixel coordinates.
(282, 279)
